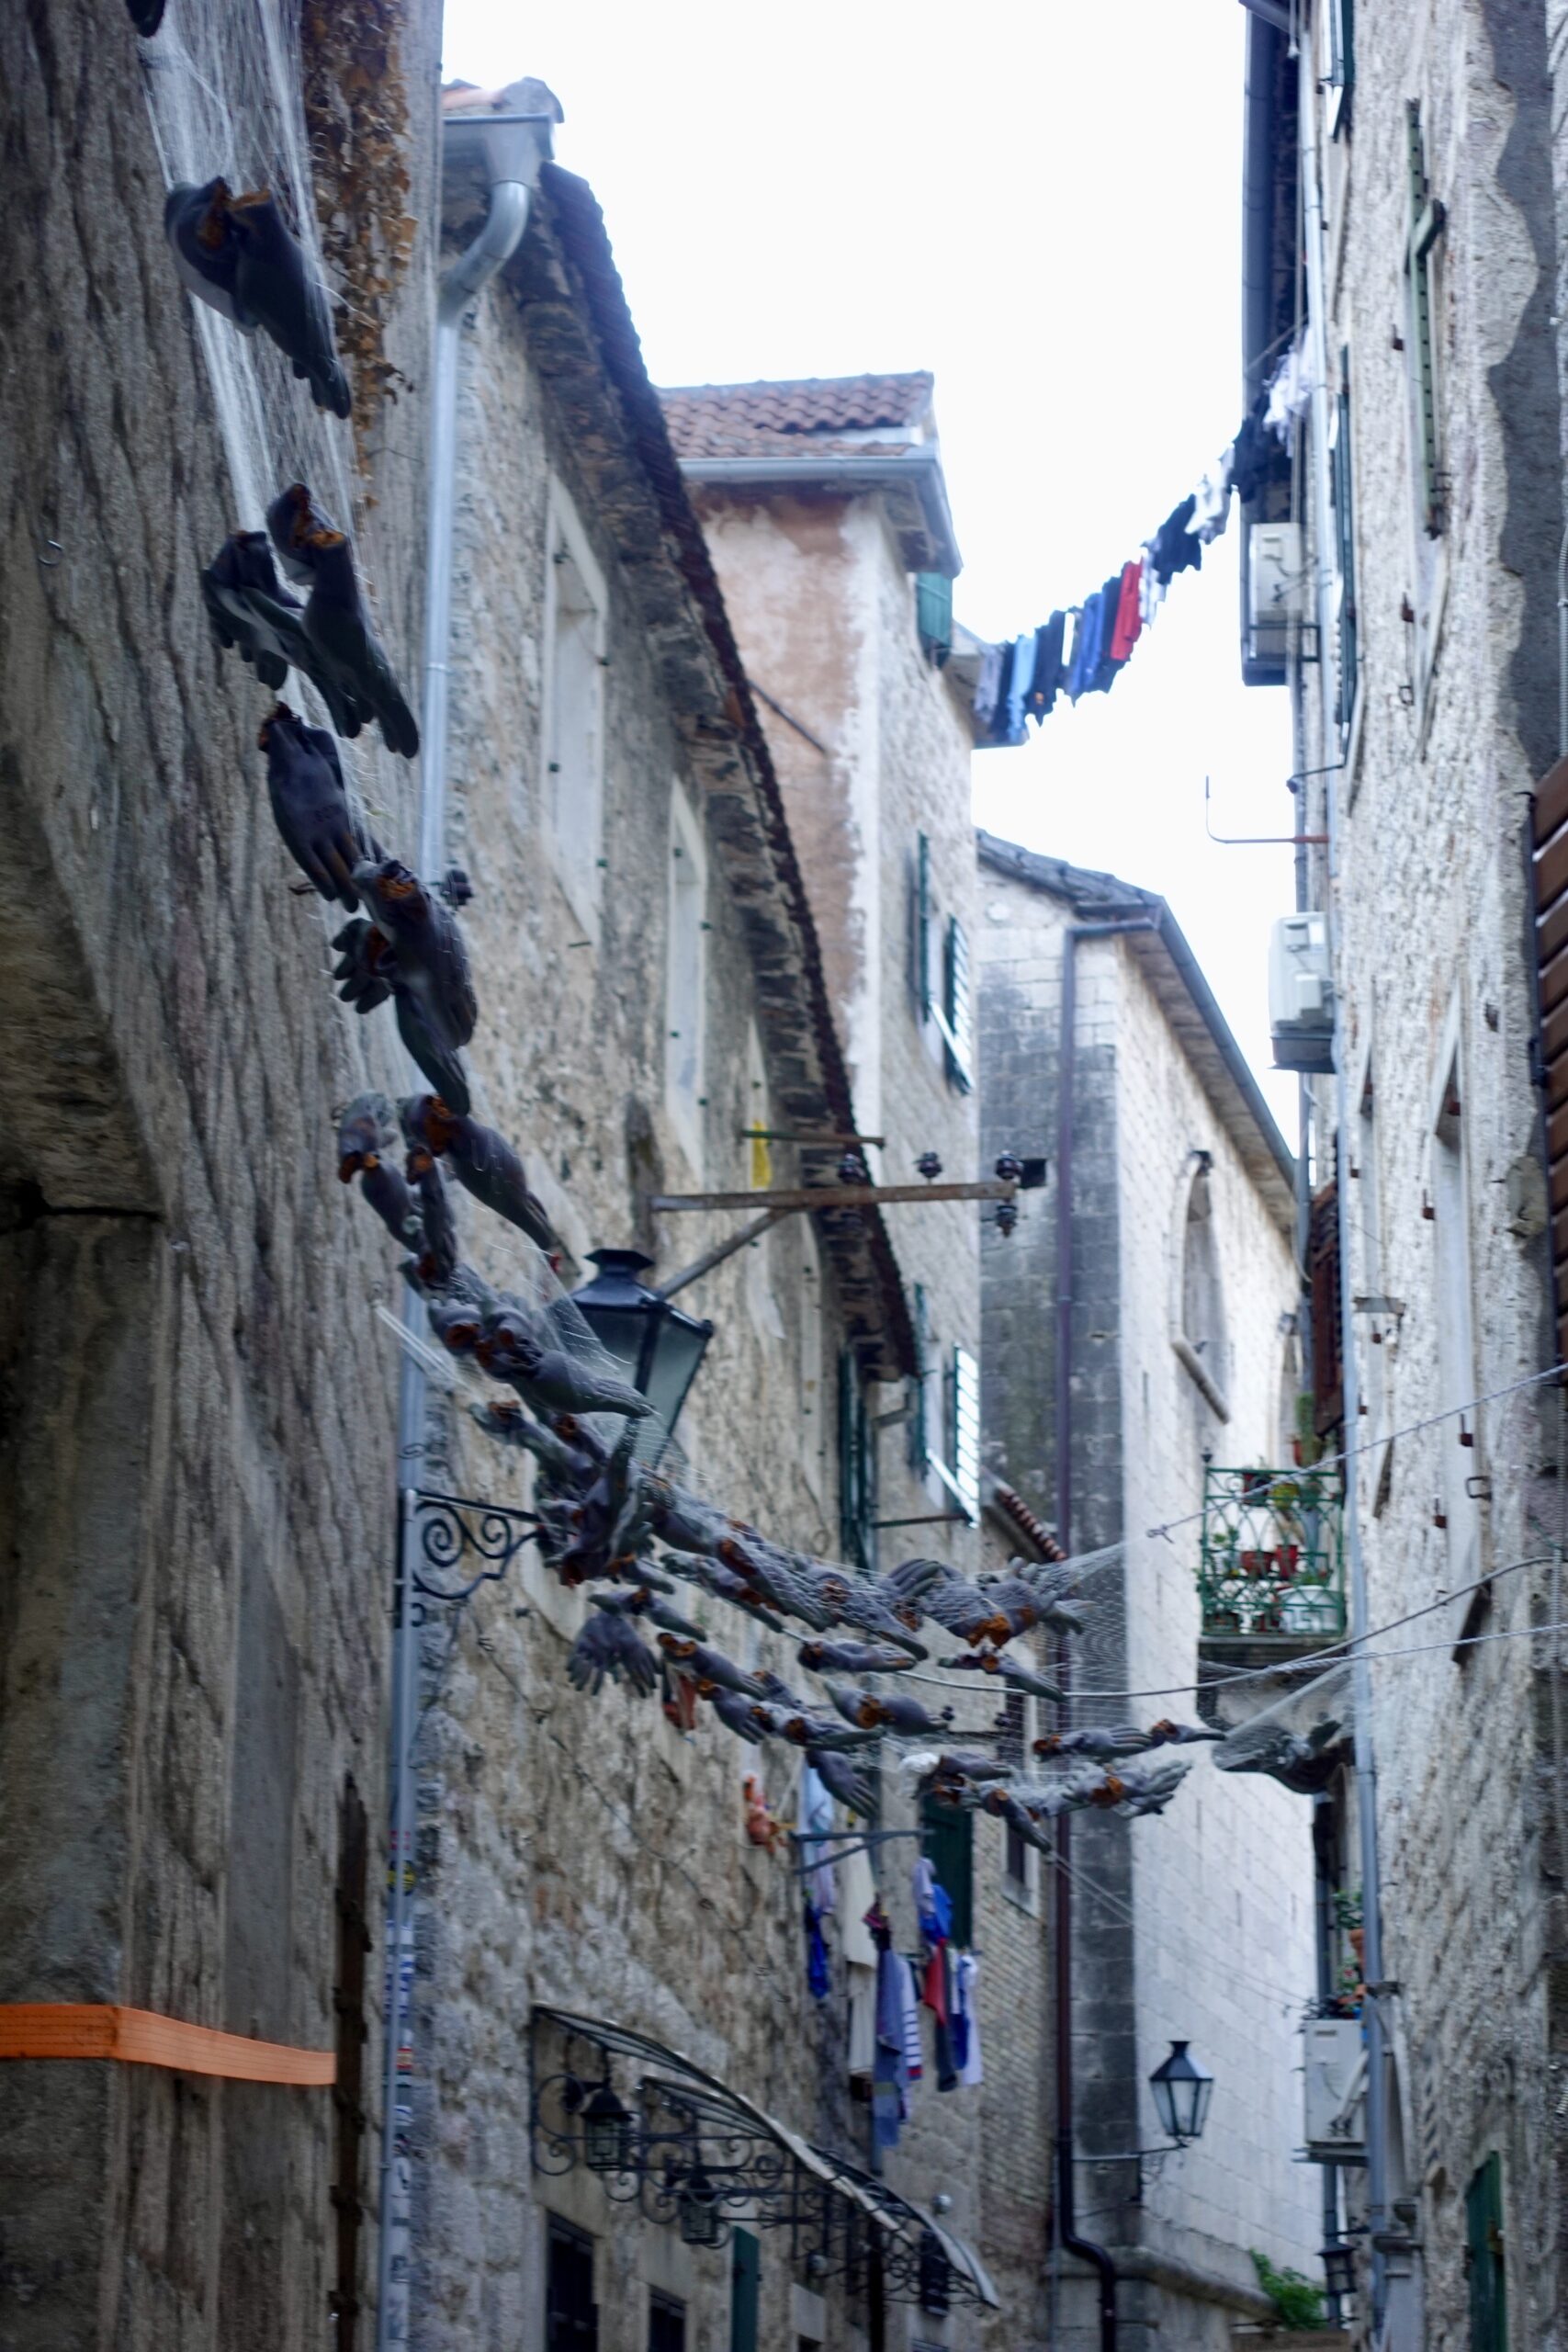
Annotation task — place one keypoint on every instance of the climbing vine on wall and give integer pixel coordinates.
(356, 117)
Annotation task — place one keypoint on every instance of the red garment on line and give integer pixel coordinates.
(1129, 625)
(935, 1993)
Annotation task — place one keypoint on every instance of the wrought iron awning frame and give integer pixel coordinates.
(688, 2120)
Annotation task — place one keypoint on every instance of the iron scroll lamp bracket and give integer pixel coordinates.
(451, 1531)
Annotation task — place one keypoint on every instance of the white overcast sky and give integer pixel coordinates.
(1042, 203)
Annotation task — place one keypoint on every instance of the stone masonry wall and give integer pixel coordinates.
(1439, 1014)
(195, 1487)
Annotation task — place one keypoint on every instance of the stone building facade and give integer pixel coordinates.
(1173, 1346)
(658, 941)
(197, 1492)
(1428, 164)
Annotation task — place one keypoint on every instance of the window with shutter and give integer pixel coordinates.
(959, 1031)
(1323, 1274)
(1549, 881)
(1483, 2259)
(1341, 65)
(919, 1387)
(933, 614)
(857, 1470)
(745, 2290)
(920, 959)
(965, 1424)
(571, 2315)
(348, 2004)
(1345, 544)
(947, 1841)
(1425, 226)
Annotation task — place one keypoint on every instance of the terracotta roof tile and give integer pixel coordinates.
(750, 420)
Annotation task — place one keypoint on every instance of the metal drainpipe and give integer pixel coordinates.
(515, 145)
(1365, 1753)
(1067, 2234)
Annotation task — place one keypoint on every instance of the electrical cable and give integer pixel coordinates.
(1350, 1452)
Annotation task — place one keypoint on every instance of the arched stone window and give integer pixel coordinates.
(1199, 1334)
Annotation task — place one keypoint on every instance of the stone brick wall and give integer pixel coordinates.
(1431, 933)
(1197, 1923)
(197, 1465)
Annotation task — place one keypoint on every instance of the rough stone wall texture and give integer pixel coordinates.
(198, 1461)
(1432, 961)
(1198, 1923)
(580, 1851)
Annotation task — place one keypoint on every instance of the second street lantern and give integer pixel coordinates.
(654, 1345)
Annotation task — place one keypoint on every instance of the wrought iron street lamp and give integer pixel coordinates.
(702, 2223)
(1338, 2262)
(654, 1345)
(607, 2133)
(1182, 2089)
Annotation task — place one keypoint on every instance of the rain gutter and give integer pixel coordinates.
(513, 147)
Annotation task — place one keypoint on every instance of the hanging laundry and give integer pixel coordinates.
(934, 1907)
(1104, 677)
(933, 1987)
(947, 2075)
(988, 686)
(818, 1975)
(1290, 393)
(1211, 500)
(1020, 677)
(857, 1906)
(970, 2069)
(1050, 668)
(958, 2022)
(910, 2010)
(890, 2071)
(816, 1821)
(863, 2018)
(1086, 648)
(1175, 546)
(1252, 457)
(1129, 613)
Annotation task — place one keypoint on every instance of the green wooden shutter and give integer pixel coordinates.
(922, 921)
(947, 1841)
(963, 1442)
(920, 1450)
(959, 1008)
(1345, 535)
(745, 2290)
(1425, 227)
(933, 614)
(857, 1470)
(1342, 65)
(1483, 2259)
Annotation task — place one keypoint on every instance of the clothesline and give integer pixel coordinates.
(1025, 677)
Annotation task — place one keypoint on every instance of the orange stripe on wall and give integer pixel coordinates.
(142, 2037)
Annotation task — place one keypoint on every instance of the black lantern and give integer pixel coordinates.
(1338, 2262)
(655, 1347)
(1182, 2089)
(935, 2274)
(606, 2133)
(701, 2220)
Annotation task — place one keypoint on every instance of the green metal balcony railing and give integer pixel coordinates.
(1272, 1571)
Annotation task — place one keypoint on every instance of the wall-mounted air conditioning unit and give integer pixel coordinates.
(1276, 590)
(1335, 2091)
(1301, 993)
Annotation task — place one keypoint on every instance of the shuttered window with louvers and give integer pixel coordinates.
(1549, 878)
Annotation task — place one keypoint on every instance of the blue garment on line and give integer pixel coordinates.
(1087, 640)
(1020, 677)
(816, 1975)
